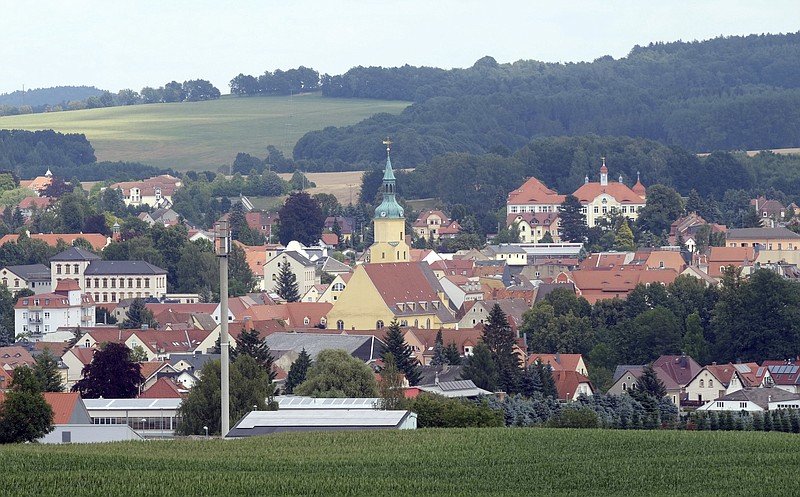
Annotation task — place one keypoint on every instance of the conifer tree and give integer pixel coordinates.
(286, 287)
(499, 338)
(623, 238)
(439, 356)
(46, 370)
(546, 375)
(298, 371)
(452, 355)
(396, 345)
(249, 342)
(649, 383)
(137, 315)
(481, 368)
(573, 220)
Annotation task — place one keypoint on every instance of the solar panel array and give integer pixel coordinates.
(786, 369)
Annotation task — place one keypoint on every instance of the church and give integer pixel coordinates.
(387, 286)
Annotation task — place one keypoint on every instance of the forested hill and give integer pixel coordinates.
(59, 95)
(726, 93)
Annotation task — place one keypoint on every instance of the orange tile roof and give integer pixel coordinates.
(150, 368)
(63, 404)
(559, 362)
(36, 202)
(621, 193)
(533, 191)
(97, 241)
(14, 356)
(401, 282)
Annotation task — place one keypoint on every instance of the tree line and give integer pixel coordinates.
(683, 93)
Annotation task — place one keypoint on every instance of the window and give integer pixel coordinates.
(338, 287)
(76, 269)
(47, 315)
(720, 404)
(467, 350)
(710, 383)
(379, 325)
(702, 384)
(340, 325)
(58, 268)
(743, 405)
(596, 209)
(66, 268)
(306, 321)
(105, 282)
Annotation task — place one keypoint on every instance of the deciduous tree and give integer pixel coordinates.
(111, 374)
(24, 416)
(335, 373)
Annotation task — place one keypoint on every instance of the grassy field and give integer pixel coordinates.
(203, 135)
(498, 461)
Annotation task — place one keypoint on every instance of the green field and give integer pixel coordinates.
(498, 461)
(203, 135)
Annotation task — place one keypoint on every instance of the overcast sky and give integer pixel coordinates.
(132, 44)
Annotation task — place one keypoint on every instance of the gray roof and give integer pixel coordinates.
(123, 267)
(31, 271)
(505, 249)
(633, 368)
(446, 373)
(197, 361)
(545, 288)
(132, 404)
(461, 388)
(759, 233)
(298, 257)
(760, 396)
(265, 422)
(75, 254)
(334, 266)
(364, 347)
(294, 402)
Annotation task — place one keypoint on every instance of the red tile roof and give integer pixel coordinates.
(559, 362)
(164, 388)
(567, 383)
(401, 282)
(15, 356)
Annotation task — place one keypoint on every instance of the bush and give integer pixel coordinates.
(571, 417)
(435, 411)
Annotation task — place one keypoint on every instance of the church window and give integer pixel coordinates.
(340, 325)
(379, 325)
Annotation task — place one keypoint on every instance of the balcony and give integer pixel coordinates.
(35, 319)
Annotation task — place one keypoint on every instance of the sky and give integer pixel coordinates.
(121, 44)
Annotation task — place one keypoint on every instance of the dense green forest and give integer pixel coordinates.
(39, 98)
(32, 153)
(729, 93)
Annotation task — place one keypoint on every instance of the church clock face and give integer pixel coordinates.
(383, 214)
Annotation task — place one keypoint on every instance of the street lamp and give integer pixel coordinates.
(206, 428)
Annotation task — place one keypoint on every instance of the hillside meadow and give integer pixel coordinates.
(203, 135)
(499, 461)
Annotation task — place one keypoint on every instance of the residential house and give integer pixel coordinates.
(30, 205)
(710, 383)
(511, 254)
(721, 257)
(435, 224)
(561, 362)
(477, 312)
(262, 221)
(155, 192)
(571, 385)
(754, 400)
(784, 375)
(75, 359)
(314, 293)
(532, 226)
(112, 281)
(346, 226)
(377, 294)
(35, 277)
(460, 289)
(303, 269)
(771, 212)
(616, 282)
(14, 356)
(626, 378)
(335, 289)
(366, 348)
(684, 229)
(40, 315)
(332, 266)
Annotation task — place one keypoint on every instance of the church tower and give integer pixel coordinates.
(389, 223)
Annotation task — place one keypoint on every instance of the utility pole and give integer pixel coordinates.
(223, 245)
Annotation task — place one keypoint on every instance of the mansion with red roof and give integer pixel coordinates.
(535, 207)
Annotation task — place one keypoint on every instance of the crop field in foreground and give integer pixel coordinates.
(203, 135)
(498, 461)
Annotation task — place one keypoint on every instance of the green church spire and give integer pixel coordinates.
(389, 208)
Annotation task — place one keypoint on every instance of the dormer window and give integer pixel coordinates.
(306, 321)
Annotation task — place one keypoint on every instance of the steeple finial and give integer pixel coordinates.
(637, 176)
(388, 144)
